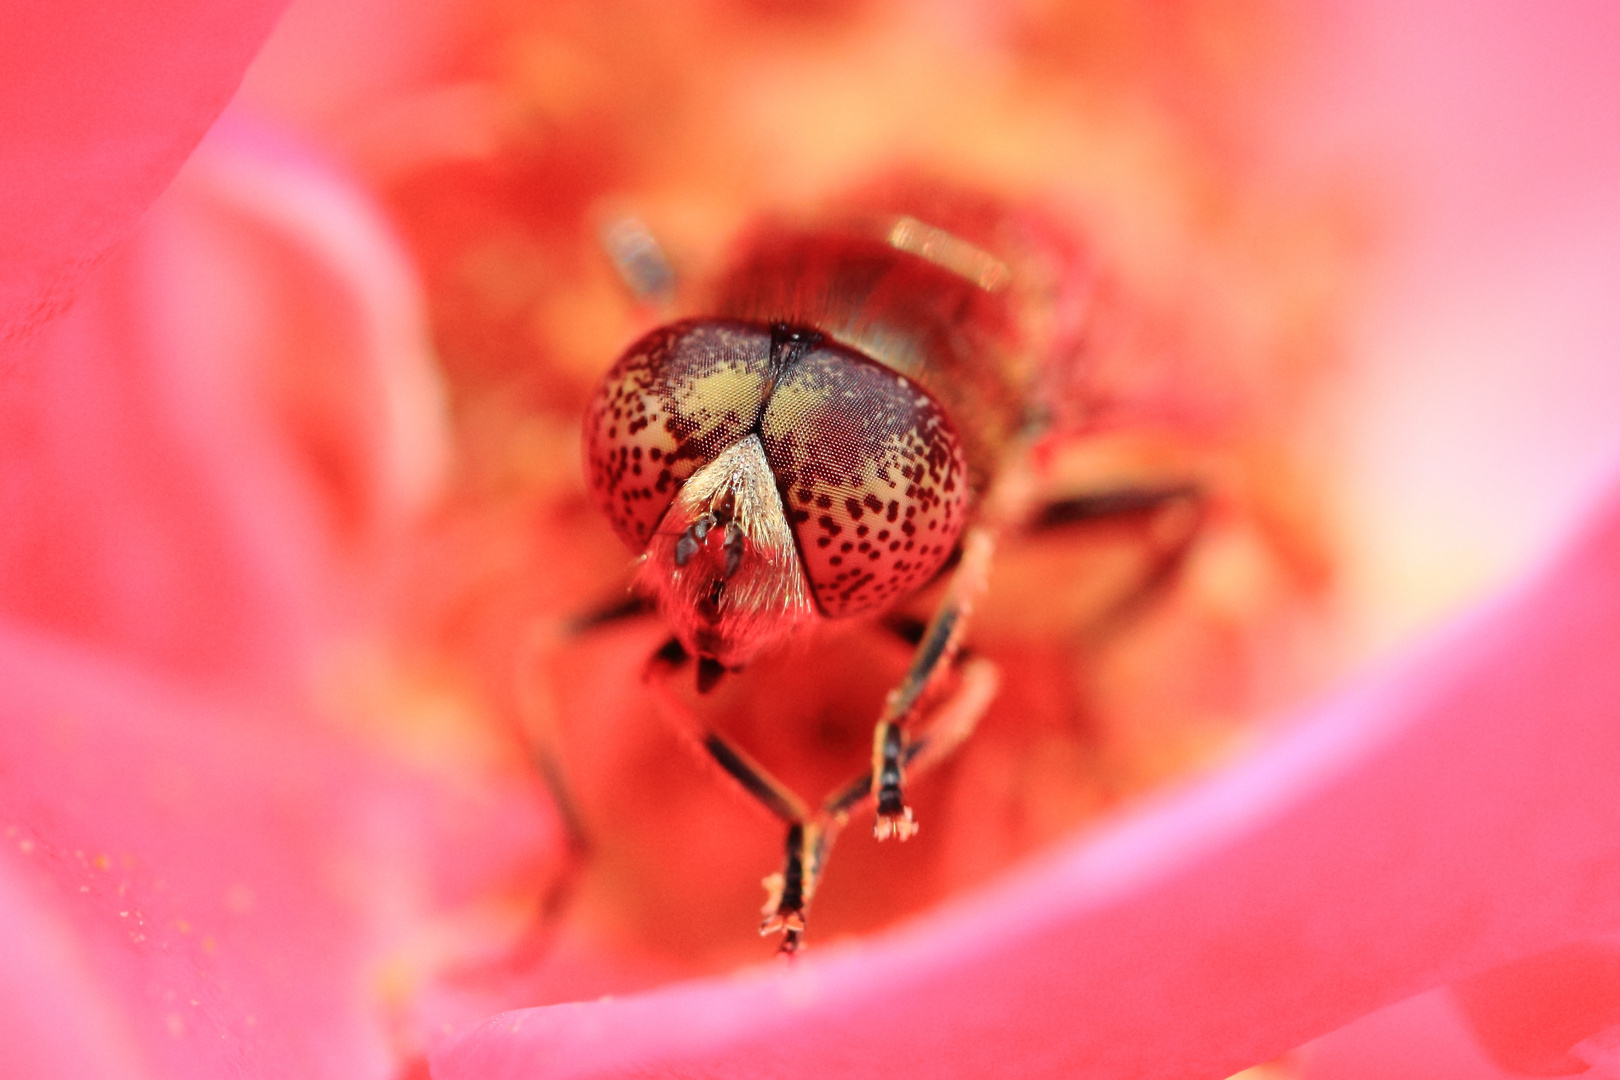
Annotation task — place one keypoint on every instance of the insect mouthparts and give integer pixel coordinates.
(722, 563)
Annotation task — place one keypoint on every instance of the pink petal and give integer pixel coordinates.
(201, 457)
(1532, 1014)
(1451, 815)
(1422, 1038)
(99, 105)
(203, 888)
(196, 852)
(55, 1021)
(200, 462)
(1486, 393)
(332, 66)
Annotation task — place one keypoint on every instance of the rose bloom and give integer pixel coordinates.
(293, 517)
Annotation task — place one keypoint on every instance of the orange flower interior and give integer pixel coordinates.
(1131, 650)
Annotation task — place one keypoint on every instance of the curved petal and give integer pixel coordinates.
(1531, 1015)
(1452, 815)
(1422, 1038)
(55, 1019)
(1486, 396)
(231, 891)
(100, 103)
(199, 459)
(188, 845)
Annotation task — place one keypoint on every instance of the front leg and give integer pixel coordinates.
(788, 891)
(932, 658)
(892, 751)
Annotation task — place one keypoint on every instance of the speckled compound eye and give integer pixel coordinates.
(677, 398)
(871, 473)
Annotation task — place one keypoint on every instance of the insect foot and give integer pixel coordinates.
(784, 917)
(888, 754)
(902, 826)
(787, 893)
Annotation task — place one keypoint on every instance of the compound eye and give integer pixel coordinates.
(674, 401)
(872, 476)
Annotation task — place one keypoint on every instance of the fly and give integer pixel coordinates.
(859, 412)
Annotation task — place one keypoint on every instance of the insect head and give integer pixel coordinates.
(771, 477)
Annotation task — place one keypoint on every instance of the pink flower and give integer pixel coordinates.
(210, 867)
(201, 873)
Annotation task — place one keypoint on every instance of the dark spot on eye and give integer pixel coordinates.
(854, 508)
(655, 453)
(823, 541)
(866, 545)
(861, 530)
(804, 496)
(836, 560)
(800, 516)
(873, 554)
(827, 523)
(872, 502)
(636, 453)
(894, 545)
(847, 545)
(894, 510)
(824, 502)
(883, 534)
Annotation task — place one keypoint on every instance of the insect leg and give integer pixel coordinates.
(536, 705)
(789, 891)
(1107, 505)
(1174, 515)
(751, 776)
(540, 735)
(946, 726)
(932, 658)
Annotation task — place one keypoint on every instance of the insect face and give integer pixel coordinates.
(771, 477)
